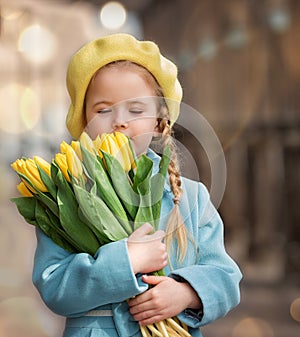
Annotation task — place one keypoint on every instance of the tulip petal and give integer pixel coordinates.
(61, 161)
(47, 181)
(124, 150)
(76, 147)
(87, 142)
(44, 165)
(73, 163)
(32, 173)
(24, 190)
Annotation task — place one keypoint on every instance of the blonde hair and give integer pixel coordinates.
(176, 230)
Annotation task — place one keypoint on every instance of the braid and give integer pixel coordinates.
(176, 230)
(173, 169)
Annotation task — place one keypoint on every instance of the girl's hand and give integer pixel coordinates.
(166, 299)
(147, 252)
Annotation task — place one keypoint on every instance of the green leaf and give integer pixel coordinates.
(56, 225)
(157, 185)
(43, 197)
(99, 217)
(26, 207)
(90, 162)
(48, 202)
(46, 226)
(165, 160)
(143, 171)
(48, 182)
(54, 170)
(104, 187)
(121, 184)
(102, 238)
(144, 213)
(159, 273)
(141, 184)
(69, 219)
(151, 188)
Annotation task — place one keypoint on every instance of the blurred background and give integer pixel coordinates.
(239, 64)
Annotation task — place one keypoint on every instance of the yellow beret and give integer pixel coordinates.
(117, 47)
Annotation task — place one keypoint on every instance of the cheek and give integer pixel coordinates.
(96, 127)
(141, 138)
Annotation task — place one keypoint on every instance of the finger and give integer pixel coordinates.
(154, 318)
(139, 299)
(153, 280)
(160, 234)
(145, 229)
(140, 308)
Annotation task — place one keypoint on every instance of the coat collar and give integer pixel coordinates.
(156, 160)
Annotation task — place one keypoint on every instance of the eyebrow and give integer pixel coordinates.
(128, 101)
(102, 102)
(135, 101)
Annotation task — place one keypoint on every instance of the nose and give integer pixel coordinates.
(119, 121)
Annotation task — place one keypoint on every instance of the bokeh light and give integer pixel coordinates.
(29, 108)
(252, 327)
(236, 38)
(113, 15)
(11, 14)
(19, 106)
(37, 44)
(295, 309)
(279, 20)
(208, 49)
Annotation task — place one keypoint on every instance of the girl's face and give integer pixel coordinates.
(119, 99)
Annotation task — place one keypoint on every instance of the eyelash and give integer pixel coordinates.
(136, 111)
(106, 110)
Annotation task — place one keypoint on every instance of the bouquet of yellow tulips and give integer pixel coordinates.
(92, 193)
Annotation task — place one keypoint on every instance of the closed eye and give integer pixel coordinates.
(136, 111)
(103, 111)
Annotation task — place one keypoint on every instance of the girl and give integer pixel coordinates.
(117, 83)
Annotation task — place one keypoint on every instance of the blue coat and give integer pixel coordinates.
(71, 285)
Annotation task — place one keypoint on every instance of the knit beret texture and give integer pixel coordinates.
(108, 49)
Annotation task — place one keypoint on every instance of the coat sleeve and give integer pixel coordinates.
(72, 284)
(215, 276)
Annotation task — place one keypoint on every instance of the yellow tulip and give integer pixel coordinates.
(73, 162)
(63, 146)
(119, 152)
(24, 190)
(28, 168)
(114, 149)
(61, 161)
(118, 146)
(17, 165)
(34, 175)
(125, 149)
(97, 144)
(104, 145)
(86, 141)
(76, 147)
(43, 164)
